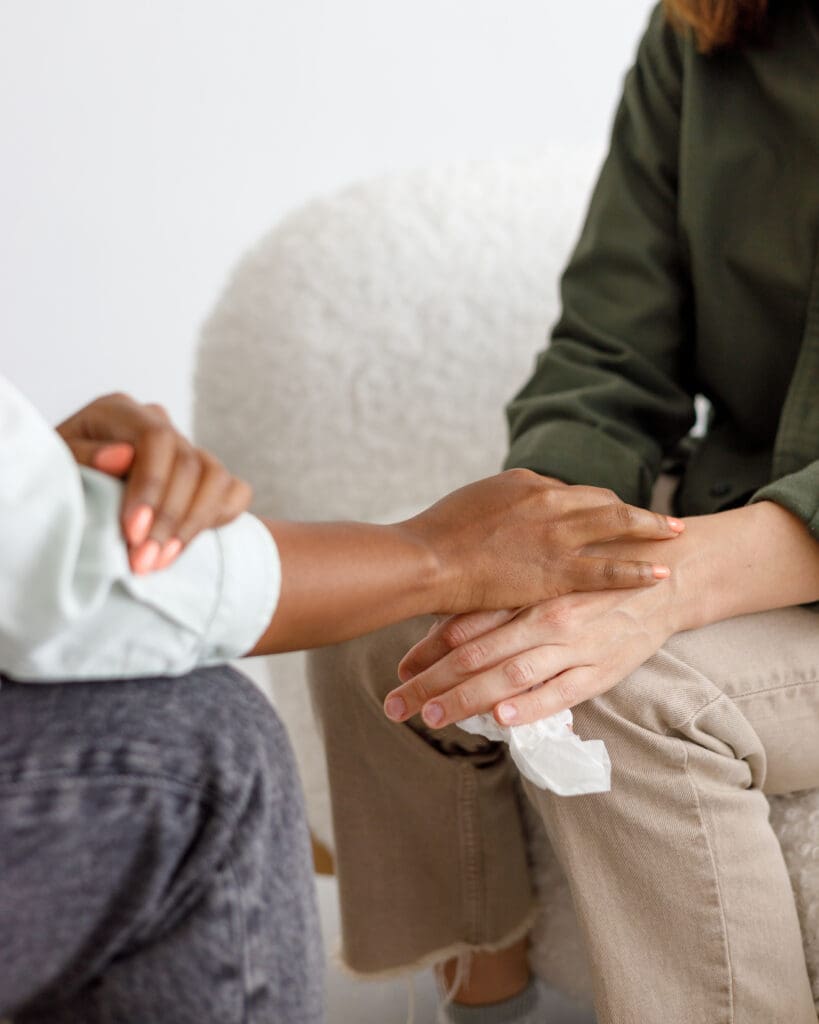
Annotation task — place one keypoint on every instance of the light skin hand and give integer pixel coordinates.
(733, 563)
(172, 491)
(582, 644)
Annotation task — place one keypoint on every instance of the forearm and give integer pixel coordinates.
(340, 580)
(512, 539)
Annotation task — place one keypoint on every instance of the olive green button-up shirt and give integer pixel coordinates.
(697, 272)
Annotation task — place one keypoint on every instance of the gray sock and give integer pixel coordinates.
(520, 1009)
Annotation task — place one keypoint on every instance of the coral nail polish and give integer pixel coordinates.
(168, 553)
(139, 523)
(145, 557)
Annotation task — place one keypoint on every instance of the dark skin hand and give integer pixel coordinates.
(530, 663)
(173, 490)
(492, 544)
(512, 538)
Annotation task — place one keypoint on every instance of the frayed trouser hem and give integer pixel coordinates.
(437, 956)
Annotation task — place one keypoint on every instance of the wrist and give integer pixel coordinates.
(699, 585)
(740, 561)
(435, 582)
(688, 595)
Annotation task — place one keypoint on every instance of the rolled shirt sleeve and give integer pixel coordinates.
(798, 492)
(70, 607)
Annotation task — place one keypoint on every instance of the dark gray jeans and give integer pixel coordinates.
(155, 866)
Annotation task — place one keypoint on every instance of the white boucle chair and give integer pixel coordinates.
(357, 366)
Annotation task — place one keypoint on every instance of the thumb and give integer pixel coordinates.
(113, 459)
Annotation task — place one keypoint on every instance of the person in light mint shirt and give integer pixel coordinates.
(154, 859)
(82, 612)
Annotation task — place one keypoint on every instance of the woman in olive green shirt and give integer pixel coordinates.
(697, 272)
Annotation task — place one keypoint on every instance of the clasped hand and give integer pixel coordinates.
(526, 664)
(172, 490)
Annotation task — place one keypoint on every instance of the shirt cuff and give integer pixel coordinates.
(798, 492)
(250, 570)
(578, 453)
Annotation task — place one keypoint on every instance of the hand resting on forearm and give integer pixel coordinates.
(733, 563)
(515, 536)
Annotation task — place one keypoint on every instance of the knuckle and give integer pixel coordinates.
(159, 434)
(419, 692)
(554, 615)
(535, 705)
(550, 503)
(469, 657)
(625, 514)
(519, 475)
(516, 473)
(158, 410)
(192, 526)
(608, 495)
(188, 458)
(453, 635)
(115, 398)
(208, 460)
(519, 673)
(164, 521)
(609, 571)
(558, 620)
(408, 667)
(242, 491)
(465, 702)
(151, 487)
(554, 498)
(567, 691)
(615, 518)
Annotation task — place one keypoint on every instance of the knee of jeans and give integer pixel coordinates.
(227, 734)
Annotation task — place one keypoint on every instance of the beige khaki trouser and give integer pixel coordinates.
(678, 880)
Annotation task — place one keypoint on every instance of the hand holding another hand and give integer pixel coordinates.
(518, 537)
(530, 663)
(173, 490)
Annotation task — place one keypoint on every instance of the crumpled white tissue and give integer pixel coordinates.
(549, 754)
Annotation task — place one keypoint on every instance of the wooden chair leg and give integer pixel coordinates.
(322, 858)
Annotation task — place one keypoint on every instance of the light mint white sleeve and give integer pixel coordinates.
(70, 608)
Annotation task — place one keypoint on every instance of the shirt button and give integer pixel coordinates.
(719, 490)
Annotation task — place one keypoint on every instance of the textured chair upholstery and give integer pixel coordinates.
(356, 366)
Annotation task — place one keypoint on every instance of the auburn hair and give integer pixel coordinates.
(719, 24)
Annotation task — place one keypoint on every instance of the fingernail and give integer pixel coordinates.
(432, 714)
(395, 708)
(677, 525)
(660, 572)
(507, 713)
(168, 553)
(139, 523)
(111, 459)
(405, 674)
(144, 558)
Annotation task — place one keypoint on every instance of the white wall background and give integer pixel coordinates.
(144, 145)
